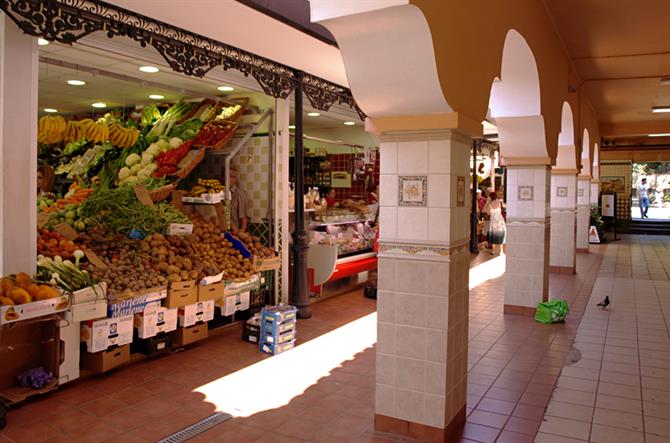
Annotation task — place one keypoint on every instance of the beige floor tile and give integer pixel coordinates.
(619, 378)
(618, 419)
(565, 427)
(550, 438)
(570, 410)
(650, 438)
(659, 410)
(662, 384)
(620, 367)
(578, 384)
(608, 434)
(588, 374)
(616, 390)
(619, 404)
(656, 396)
(572, 396)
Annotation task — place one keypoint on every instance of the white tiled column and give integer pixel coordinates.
(595, 191)
(18, 148)
(528, 228)
(422, 299)
(563, 215)
(583, 213)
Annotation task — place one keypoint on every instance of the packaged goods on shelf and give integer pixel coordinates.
(199, 312)
(154, 320)
(104, 333)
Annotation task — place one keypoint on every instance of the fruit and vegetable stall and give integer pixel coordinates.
(123, 269)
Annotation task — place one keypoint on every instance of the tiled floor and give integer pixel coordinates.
(619, 388)
(328, 394)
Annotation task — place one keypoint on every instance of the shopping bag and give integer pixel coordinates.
(552, 311)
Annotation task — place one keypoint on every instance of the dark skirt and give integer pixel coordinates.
(496, 237)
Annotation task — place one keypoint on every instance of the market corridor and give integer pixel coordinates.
(323, 391)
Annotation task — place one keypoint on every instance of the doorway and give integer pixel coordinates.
(657, 175)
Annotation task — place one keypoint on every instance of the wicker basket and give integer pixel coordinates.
(188, 168)
(229, 126)
(161, 193)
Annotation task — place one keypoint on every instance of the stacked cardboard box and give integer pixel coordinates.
(278, 329)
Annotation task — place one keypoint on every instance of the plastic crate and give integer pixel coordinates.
(280, 338)
(276, 329)
(279, 314)
(275, 349)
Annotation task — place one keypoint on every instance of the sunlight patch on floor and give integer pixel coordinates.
(273, 382)
(486, 271)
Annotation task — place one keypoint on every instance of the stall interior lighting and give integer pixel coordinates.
(42, 42)
(349, 123)
(660, 109)
(313, 114)
(99, 105)
(76, 82)
(156, 97)
(664, 134)
(149, 69)
(225, 88)
(291, 126)
(50, 110)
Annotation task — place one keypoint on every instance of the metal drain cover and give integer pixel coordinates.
(196, 428)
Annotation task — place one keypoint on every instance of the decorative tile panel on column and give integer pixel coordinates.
(563, 213)
(583, 213)
(528, 227)
(422, 300)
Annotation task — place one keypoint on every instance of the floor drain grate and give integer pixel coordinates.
(196, 428)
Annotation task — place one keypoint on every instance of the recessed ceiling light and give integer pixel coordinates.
(50, 110)
(664, 134)
(665, 81)
(149, 69)
(42, 42)
(156, 97)
(99, 105)
(350, 123)
(76, 82)
(659, 109)
(291, 126)
(313, 114)
(225, 88)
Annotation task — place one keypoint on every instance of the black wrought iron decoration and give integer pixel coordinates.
(67, 21)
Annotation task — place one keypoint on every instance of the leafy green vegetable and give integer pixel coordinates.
(187, 130)
(164, 124)
(73, 147)
(149, 114)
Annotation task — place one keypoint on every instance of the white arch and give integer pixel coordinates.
(386, 34)
(567, 155)
(595, 171)
(518, 92)
(515, 102)
(586, 154)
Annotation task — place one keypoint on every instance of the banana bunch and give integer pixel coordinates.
(206, 186)
(97, 133)
(50, 129)
(123, 137)
(77, 130)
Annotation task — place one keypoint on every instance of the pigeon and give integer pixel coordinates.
(603, 304)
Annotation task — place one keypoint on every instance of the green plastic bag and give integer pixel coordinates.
(553, 311)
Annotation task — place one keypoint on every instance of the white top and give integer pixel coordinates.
(642, 190)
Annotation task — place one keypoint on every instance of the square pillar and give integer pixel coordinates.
(583, 213)
(595, 192)
(422, 300)
(563, 215)
(18, 149)
(528, 228)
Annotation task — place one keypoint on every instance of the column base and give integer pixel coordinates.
(583, 250)
(519, 310)
(563, 269)
(419, 431)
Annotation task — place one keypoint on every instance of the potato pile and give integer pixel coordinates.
(171, 257)
(254, 245)
(218, 254)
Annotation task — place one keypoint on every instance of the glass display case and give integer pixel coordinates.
(350, 231)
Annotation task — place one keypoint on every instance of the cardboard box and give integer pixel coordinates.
(180, 229)
(86, 311)
(89, 294)
(104, 361)
(279, 338)
(25, 346)
(275, 349)
(202, 311)
(11, 314)
(136, 302)
(208, 199)
(212, 291)
(177, 298)
(154, 320)
(101, 334)
(266, 264)
(192, 334)
(233, 303)
(232, 288)
(151, 346)
(69, 336)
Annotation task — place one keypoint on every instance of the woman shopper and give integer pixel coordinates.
(495, 234)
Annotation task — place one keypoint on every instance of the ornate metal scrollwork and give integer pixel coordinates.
(67, 21)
